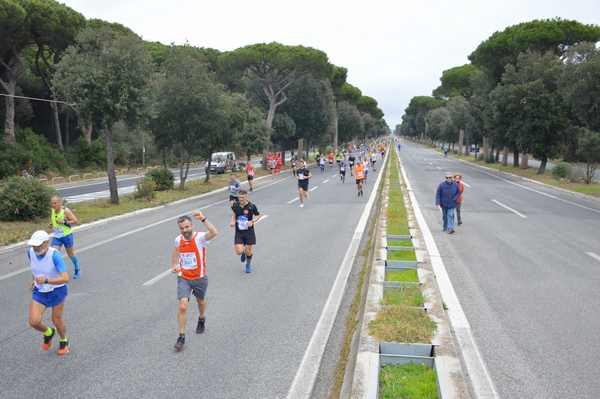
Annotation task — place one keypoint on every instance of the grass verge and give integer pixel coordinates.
(406, 276)
(547, 178)
(89, 211)
(407, 381)
(409, 296)
(398, 243)
(402, 255)
(399, 323)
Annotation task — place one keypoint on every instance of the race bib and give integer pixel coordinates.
(242, 223)
(188, 260)
(58, 232)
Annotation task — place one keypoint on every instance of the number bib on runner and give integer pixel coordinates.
(242, 223)
(188, 260)
(58, 232)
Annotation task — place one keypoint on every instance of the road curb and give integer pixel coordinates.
(83, 227)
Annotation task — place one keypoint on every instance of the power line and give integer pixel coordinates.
(38, 99)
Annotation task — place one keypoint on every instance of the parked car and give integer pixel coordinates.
(222, 162)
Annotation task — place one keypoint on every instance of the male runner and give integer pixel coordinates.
(343, 171)
(294, 167)
(250, 175)
(61, 220)
(49, 290)
(245, 216)
(351, 160)
(366, 168)
(359, 173)
(322, 164)
(234, 188)
(303, 178)
(373, 161)
(188, 260)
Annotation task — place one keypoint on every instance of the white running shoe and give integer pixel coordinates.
(301, 205)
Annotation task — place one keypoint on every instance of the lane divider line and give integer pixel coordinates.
(509, 208)
(314, 188)
(594, 255)
(325, 181)
(293, 200)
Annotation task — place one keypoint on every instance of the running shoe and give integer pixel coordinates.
(63, 347)
(48, 340)
(243, 257)
(200, 327)
(76, 274)
(179, 344)
(248, 269)
(301, 205)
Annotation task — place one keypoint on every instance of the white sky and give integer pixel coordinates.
(393, 49)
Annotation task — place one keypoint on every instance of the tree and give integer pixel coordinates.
(106, 75)
(456, 82)
(460, 114)
(275, 67)
(555, 35)
(190, 109)
(251, 135)
(588, 152)
(284, 131)
(530, 106)
(415, 113)
(369, 105)
(350, 122)
(439, 124)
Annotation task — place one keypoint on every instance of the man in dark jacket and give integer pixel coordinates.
(446, 196)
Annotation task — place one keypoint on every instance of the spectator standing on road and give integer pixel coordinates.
(250, 172)
(459, 200)
(446, 197)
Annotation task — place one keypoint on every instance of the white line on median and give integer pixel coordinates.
(305, 377)
(509, 208)
(325, 181)
(314, 188)
(594, 255)
(475, 365)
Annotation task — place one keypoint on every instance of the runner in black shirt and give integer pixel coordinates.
(303, 176)
(245, 215)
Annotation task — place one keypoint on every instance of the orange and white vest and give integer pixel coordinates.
(359, 171)
(192, 259)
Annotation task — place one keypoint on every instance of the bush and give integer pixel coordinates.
(12, 160)
(162, 178)
(24, 198)
(41, 156)
(92, 156)
(145, 189)
(561, 170)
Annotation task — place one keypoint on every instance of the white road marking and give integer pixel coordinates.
(325, 181)
(466, 184)
(509, 208)
(314, 188)
(128, 233)
(594, 255)
(306, 375)
(438, 168)
(261, 219)
(293, 200)
(475, 365)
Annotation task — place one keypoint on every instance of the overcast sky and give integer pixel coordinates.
(393, 49)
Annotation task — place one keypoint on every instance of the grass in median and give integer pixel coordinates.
(406, 275)
(407, 381)
(402, 255)
(399, 323)
(531, 173)
(89, 211)
(409, 296)
(399, 243)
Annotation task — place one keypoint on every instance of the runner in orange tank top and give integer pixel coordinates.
(359, 172)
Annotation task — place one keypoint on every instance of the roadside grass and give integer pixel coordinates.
(531, 173)
(402, 255)
(409, 296)
(399, 323)
(398, 243)
(90, 211)
(406, 275)
(407, 381)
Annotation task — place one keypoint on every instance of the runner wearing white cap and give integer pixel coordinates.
(49, 289)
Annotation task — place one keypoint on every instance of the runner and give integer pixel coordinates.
(366, 168)
(330, 158)
(250, 175)
(234, 188)
(188, 260)
(303, 178)
(245, 216)
(322, 164)
(373, 161)
(360, 175)
(294, 167)
(49, 290)
(61, 220)
(343, 171)
(351, 160)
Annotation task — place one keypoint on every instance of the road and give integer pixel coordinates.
(123, 332)
(526, 268)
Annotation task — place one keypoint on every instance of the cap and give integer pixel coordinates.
(449, 174)
(38, 238)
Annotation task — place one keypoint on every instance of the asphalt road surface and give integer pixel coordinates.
(122, 331)
(526, 268)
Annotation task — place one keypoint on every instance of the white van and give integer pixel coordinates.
(222, 162)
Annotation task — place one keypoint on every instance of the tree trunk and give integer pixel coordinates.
(335, 132)
(461, 140)
(300, 147)
(59, 140)
(543, 162)
(9, 121)
(184, 168)
(67, 128)
(207, 172)
(486, 148)
(516, 158)
(524, 161)
(110, 168)
(467, 148)
(497, 159)
(87, 132)
(505, 156)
